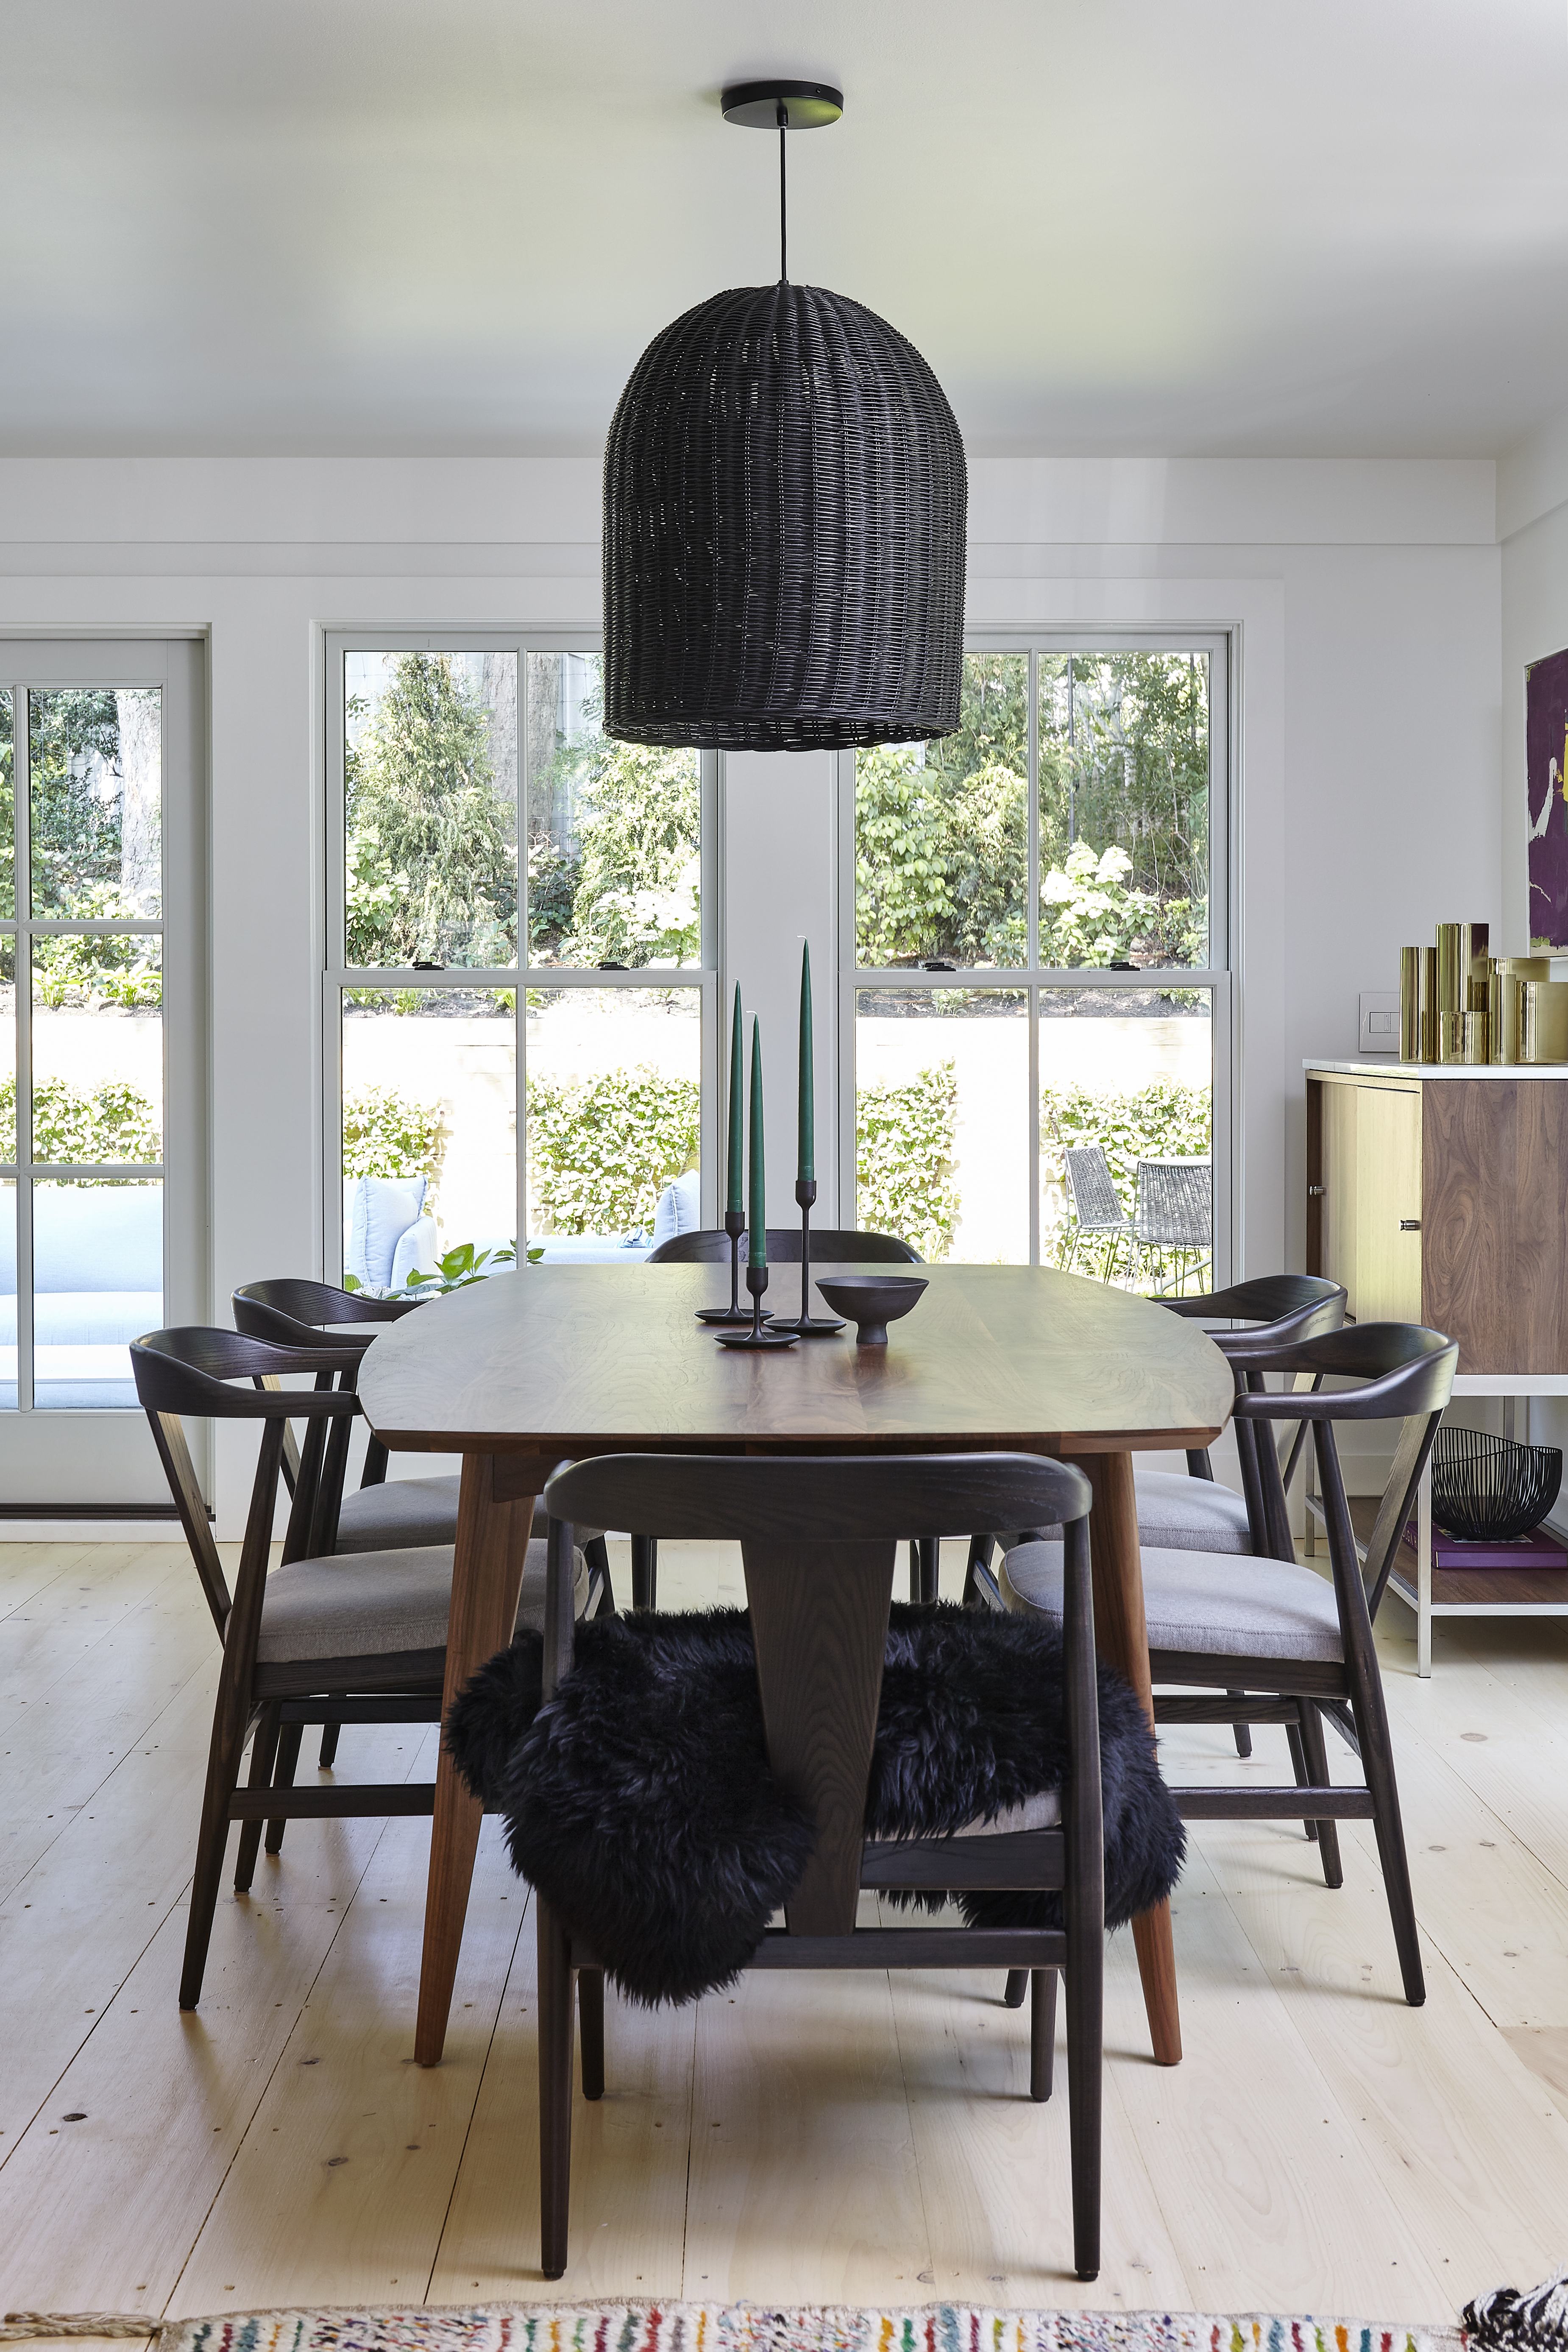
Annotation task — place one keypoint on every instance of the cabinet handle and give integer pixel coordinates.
(1316, 1191)
(1409, 1224)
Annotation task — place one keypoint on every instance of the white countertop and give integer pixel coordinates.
(1389, 1066)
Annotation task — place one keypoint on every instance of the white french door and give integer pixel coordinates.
(103, 1208)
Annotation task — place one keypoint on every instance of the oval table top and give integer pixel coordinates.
(572, 1359)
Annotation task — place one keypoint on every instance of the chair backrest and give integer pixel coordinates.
(1096, 1203)
(1175, 1203)
(818, 1538)
(293, 1310)
(832, 1246)
(1280, 1308)
(1406, 1373)
(189, 1371)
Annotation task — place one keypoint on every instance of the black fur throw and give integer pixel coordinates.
(640, 1804)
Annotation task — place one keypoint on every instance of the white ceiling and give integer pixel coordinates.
(1205, 226)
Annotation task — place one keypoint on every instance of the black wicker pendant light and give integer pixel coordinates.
(785, 509)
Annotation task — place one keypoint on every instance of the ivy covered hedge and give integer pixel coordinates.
(904, 1181)
(1163, 1122)
(76, 1126)
(388, 1134)
(601, 1150)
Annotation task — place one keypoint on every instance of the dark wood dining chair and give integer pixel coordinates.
(830, 1245)
(1268, 1632)
(833, 1246)
(818, 1538)
(384, 1514)
(358, 1638)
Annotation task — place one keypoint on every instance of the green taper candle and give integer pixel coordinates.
(736, 1191)
(806, 1171)
(757, 1211)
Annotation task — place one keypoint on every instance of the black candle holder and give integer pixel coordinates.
(734, 1226)
(805, 1325)
(761, 1335)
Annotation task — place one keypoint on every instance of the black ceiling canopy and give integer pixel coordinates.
(784, 511)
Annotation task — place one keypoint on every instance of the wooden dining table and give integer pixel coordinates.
(553, 1362)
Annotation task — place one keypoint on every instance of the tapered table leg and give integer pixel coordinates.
(1121, 1637)
(487, 1579)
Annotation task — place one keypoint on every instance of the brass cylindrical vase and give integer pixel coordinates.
(1505, 1003)
(1473, 1038)
(1412, 1005)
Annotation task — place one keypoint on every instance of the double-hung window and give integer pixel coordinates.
(519, 1000)
(1038, 940)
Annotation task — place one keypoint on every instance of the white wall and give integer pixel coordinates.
(1368, 596)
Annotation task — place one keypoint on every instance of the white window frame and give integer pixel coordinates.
(1031, 977)
(337, 976)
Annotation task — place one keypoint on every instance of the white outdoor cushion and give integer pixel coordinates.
(374, 1604)
(415, 1511)
(1217, 1603)
(1182, 1513)
(678, 1208)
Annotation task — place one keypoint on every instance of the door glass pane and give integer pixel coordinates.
(98, 1283)
(97, 1048)
(613, 1112)
(7, 807)
(429, 1128)
(1124, 766)
(96, 769)
(1127, 1079)
(941, 832)
(615, 863)
(8, 1295)
(942, 1151)
(430, 763)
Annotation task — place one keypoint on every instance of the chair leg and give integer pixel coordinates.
(1377, 1763)
(555, 2089)
(1317, 1754)
(263, 1753)
(1299, 1766)
(925, 1556)
(1243, 1730)
(223, 1777)
(1085, 2005)
(590, 2029)
(1017, 1985)
(328, 1754)
(1042, 2031)
(601, 1591)
(644, 1579)
(283, 1772)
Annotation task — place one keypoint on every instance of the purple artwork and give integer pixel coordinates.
(1546, 788)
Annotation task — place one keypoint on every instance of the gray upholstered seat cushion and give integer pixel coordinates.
(414, 1511)
(375, 1603)
(1217, 1603)
(1176, 1513)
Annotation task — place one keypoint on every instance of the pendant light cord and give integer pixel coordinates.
(783, 249)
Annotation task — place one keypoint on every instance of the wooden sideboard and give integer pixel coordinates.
(1439, 1195)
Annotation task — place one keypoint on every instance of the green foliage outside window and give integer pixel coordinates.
(904, 1143)
(431, 858)
(601, 1150)
(635, 899)
(73, 1126)
(1089, 914)
(387, 1134)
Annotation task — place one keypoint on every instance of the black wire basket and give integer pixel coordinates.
(1487, 1489)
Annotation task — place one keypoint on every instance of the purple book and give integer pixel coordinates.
(1537, 1551)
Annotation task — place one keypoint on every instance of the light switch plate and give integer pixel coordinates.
(1379, 1021)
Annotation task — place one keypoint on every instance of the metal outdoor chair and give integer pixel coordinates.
(1175, 1212)
(1268, 1630)
(318, 1638)
(818, 1540)
(1097, 1206)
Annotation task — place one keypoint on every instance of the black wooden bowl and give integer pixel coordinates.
(872, 1301)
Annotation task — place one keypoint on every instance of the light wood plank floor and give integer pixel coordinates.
(837, 2138)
